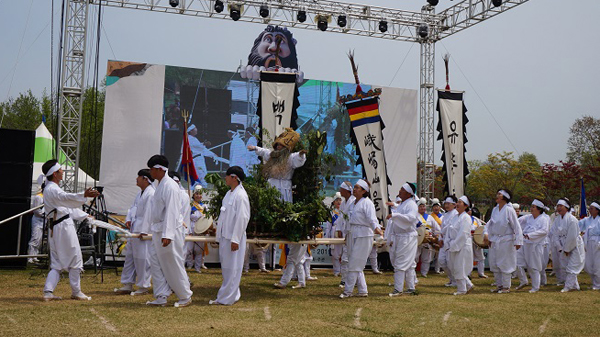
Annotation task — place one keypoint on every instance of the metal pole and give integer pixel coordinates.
(19, 235)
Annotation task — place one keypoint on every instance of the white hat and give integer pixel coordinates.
(435, 201)
(422, 201)
(337, 195)
(516, 206)
(197, 188)
(191, 127)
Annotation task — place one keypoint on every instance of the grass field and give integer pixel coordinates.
(313, 311)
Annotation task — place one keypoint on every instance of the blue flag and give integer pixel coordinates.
(582, 207)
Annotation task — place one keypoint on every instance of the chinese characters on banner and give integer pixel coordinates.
(368, 137)
(277, 103)
(452, 131)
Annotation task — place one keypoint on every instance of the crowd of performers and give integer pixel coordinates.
(163, 208)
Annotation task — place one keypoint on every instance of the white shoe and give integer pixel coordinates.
(449, 284)
(279, 285)
(532, 291)
(483, 276)
(344, 295)
(395, 293)
(377, 272)
(198, 271)
(48, 296)
(299, 285)
(141, 291)
(342, 284)
(312, 278)
(459, 293)
(336, 274)
(503, 291)
(203, 266)
(214, 302)
(183, 303)
(265, 271)
(81, 297)
(126, 289)
(159, 302)
(362, 295)
(521, 286)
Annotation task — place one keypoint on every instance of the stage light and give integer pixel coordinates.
(433, 2)
(342, 21)
(301, 16)
(219, 6)
(497, 3)
(174, 3)
(322, 20)
(383, 26)
(264, 11)
(423, 30)
(235, 11)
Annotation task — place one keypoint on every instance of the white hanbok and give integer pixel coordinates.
(592, 250)
(343, 226)
(504, 233)
(200, 153)
(284, 182)
(167, 263)
(554, 250)
(478, 255)
(443, 258)
(533, 247)
(571, 243)
(37, 225)
(459, 246)
(65, 252)
(362, 221)
(231, 228)
(136, 268)
(194, 251)
(402, 239)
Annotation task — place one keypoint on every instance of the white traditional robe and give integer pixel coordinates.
(200, 152)
(504, 232)
(237, 152)
(362, 221)
(477, 251)
(65, 252)
(569, 241)
(343, 226)
(403, 238)
(533, 248)
(283, 183)
(555, 247)
(231, 228)
(592, 250)
(37, 225)
(443, 253)
(194, 251)
(167, 263)
(137, 256)
(459, 246)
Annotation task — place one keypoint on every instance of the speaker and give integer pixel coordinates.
(16, 165)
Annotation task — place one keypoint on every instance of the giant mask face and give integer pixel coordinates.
(265, 49)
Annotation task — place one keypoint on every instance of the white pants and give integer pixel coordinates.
(373, 259)
(168, 271)
(260, 256)
(503, 280)
(358, 253)
(294, 263)
(545, 260)
(557, 267)
(479, 257)
(344, 264)
(54, 277)
(443, 261)
(232, 264)
(36, 239)
(307, 260)
(463, 284)
(137, 263)
(592, 260)
(503, 257)
(402, 257)
(194, 254)
(425, 253)
(336, 255)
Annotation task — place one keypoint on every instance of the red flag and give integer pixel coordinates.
(187, 161)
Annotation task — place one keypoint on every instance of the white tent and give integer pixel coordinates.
(44, 143)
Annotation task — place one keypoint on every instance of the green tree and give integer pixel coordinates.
(22, 113)
(584, 141)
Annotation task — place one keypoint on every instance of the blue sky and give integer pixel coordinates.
(533, 68)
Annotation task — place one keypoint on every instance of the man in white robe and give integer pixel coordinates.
(591, 239)
(61, 208)
(535, 229)
(237, 150)
(506, 237)
(459, 246)
(435, 222)
(402, 239)
(251, 158)
(570, 245)
(37, 227)
(136, 269)
(342, 227)
(425, 250)
(167, 260)
(199, 153)
(231, 235)
(450, 206)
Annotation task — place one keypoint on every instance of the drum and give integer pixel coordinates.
(478, 237)
(421, 230)
(202, 225)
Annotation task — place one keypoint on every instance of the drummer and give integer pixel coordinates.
(195, 251)
(478, 255)
(425, 251)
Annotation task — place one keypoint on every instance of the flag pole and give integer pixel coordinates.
(186, 114)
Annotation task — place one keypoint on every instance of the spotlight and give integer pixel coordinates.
(322, 21)
(423, 30)
(433, 2)
(383, 26)
(235, 11)
(301, 16)
(174, 3)
(264, 11)
(219, 6)
(497, 3)
(341, 21)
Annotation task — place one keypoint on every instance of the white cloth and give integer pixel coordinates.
(459, 244)
(592, 250)
(37, 225)
(166, 216)
(403, 238)
(200, 152)
(232, 264)
(294, 264)
(283, 183)
(166, 265)
(259, 252)
(555, 248)
(504, 233)
(570, 242)
(231, 228)
(65, 252)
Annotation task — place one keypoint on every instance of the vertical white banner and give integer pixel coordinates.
(276, 102)
(451, 108)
